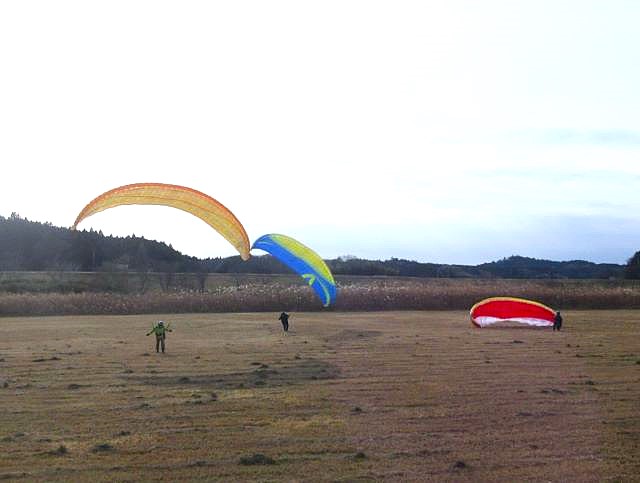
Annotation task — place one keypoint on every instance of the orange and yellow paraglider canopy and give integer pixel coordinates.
(211, 211)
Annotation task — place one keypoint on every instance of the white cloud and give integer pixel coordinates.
(364, 127)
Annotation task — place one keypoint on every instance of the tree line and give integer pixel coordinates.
(34, 246)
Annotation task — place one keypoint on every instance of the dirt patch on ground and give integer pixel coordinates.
(262, 376)
(349, 335)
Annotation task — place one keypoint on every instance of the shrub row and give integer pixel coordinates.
(366, 294)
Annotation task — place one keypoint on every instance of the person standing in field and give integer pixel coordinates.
(557, 322)
(161, 334)
(284, 318)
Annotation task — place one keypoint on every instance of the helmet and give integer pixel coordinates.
(160, 322)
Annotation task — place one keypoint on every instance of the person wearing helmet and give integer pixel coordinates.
(161, 334)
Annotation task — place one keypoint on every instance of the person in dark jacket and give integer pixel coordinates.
(557, 322)
(284, 318)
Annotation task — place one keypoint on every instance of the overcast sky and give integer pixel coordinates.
(457, 132)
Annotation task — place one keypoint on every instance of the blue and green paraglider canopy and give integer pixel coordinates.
(302, 260)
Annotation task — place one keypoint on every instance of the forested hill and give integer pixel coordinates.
(34, 246)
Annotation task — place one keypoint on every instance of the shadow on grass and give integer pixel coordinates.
(303, 371)
(257, 459)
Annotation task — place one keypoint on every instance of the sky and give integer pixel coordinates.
(451, 132)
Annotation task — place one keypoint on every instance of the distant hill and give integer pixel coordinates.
(512, 267)
(33, 246)
(523, 267)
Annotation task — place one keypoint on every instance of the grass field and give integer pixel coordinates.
(396, 396)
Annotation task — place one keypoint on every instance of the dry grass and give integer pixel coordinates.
(395, 396)
(273, 293)
(396, 293)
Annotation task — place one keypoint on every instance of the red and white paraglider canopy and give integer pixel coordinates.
(502, 309)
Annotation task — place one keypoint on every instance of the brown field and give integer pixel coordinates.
(393, 396)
